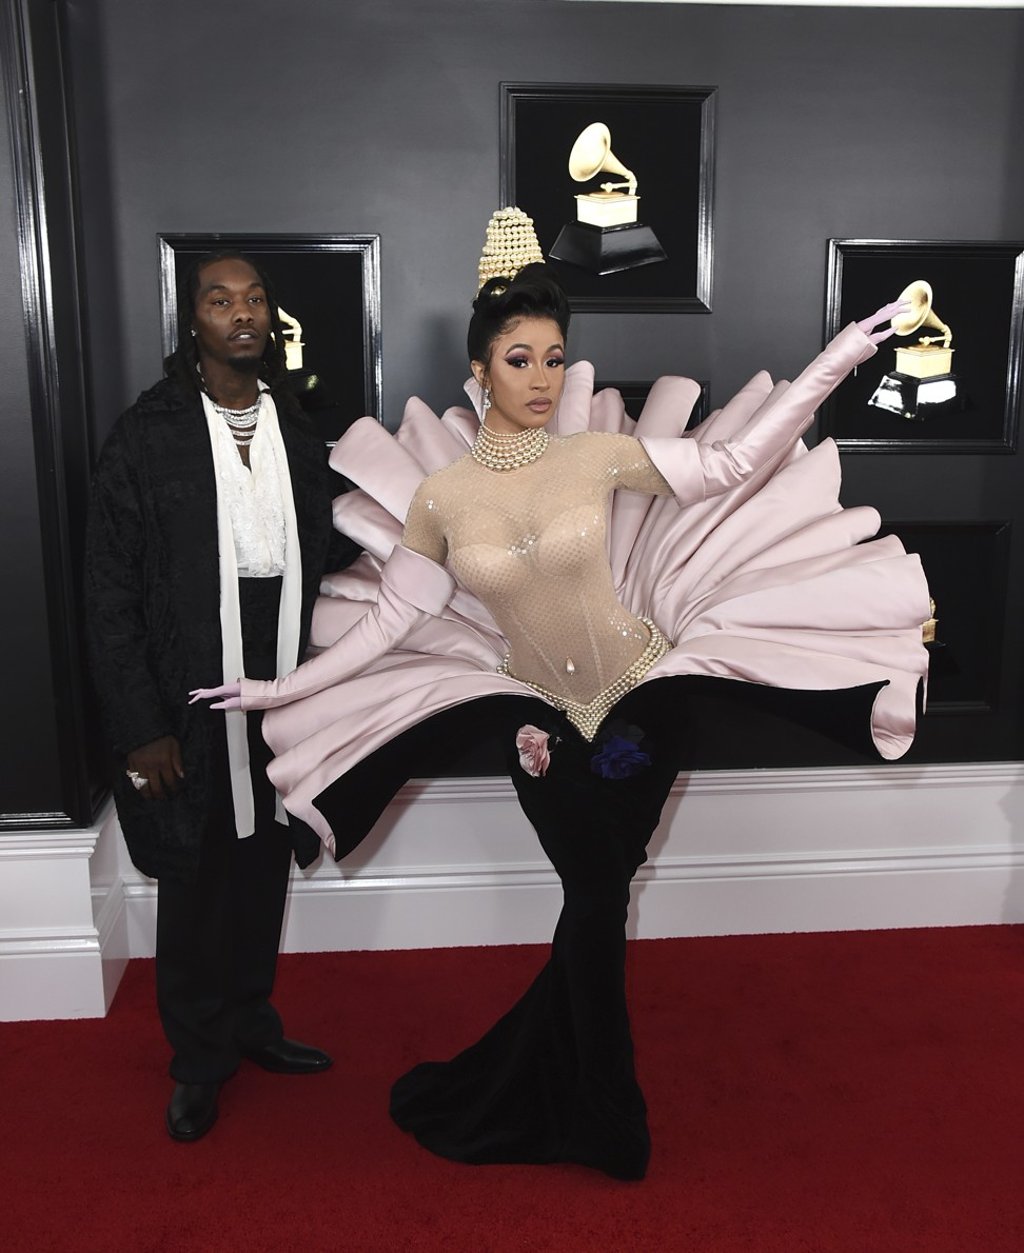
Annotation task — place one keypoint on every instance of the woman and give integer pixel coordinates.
(504, 587)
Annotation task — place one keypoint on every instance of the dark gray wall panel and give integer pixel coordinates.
(381, 116)
(30, 753)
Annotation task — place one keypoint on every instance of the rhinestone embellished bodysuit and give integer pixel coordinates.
(530, 543)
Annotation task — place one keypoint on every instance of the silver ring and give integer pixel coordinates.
(139, 781)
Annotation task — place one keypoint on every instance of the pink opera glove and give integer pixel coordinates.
(231, 694)
(891, 310)
(696, 470)
(534, 756)
(412, 588)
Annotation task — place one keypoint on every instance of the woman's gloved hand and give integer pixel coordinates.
(230, 694)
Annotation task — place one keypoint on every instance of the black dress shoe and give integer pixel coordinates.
(288, 1057)
(192, 1111)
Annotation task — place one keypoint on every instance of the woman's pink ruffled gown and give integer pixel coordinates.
(773, 582)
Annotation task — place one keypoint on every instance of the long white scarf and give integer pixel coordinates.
(230, 612)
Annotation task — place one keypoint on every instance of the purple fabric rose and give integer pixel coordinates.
(619, 758)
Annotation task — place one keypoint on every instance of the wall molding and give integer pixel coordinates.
(832, 849)
(453, 862)
(63, 924)
(42, 148)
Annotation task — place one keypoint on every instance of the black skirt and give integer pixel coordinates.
(554, 1079)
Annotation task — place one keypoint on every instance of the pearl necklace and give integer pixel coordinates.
(508, 450)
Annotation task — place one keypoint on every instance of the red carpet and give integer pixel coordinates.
(858, 1092)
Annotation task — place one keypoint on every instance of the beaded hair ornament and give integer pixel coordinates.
(511, 244)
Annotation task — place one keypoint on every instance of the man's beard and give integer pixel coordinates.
(245, 365)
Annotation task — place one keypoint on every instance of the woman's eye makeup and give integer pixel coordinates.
(519, 361)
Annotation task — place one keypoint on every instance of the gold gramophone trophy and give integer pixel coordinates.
(606, 236)
(300, 380)
(923, 384)
(291, 332)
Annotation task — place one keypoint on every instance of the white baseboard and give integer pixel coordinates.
(63, 926)
(454, 862)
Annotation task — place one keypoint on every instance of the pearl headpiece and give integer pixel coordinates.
(511, 243)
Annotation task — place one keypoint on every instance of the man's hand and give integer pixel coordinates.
(159, 763)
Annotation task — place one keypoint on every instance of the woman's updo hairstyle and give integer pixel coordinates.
(533, 293)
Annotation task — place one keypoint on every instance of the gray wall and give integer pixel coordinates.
(381, 116)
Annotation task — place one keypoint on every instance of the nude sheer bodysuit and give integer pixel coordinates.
(530, 544)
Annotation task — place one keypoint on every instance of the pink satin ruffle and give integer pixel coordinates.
(772, 582)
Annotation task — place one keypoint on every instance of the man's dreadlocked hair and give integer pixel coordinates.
(183, 362)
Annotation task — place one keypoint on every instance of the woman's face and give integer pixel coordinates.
(525, 374)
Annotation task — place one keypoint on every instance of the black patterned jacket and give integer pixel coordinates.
(152, 596)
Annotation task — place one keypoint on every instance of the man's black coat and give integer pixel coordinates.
(152, 592)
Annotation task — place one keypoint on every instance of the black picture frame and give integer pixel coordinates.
(967, 565)
(666, 135)
(634, 394)
(58, 776)
(331, 284)
(978, 289)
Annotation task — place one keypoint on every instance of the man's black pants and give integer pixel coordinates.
(218, 935)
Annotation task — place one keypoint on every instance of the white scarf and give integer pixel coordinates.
(230, 613)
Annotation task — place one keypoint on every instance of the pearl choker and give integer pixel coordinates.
(508, 450)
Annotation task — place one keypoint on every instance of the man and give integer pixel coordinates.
(209, 531)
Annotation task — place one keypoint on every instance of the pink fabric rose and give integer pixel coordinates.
(532, 744)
